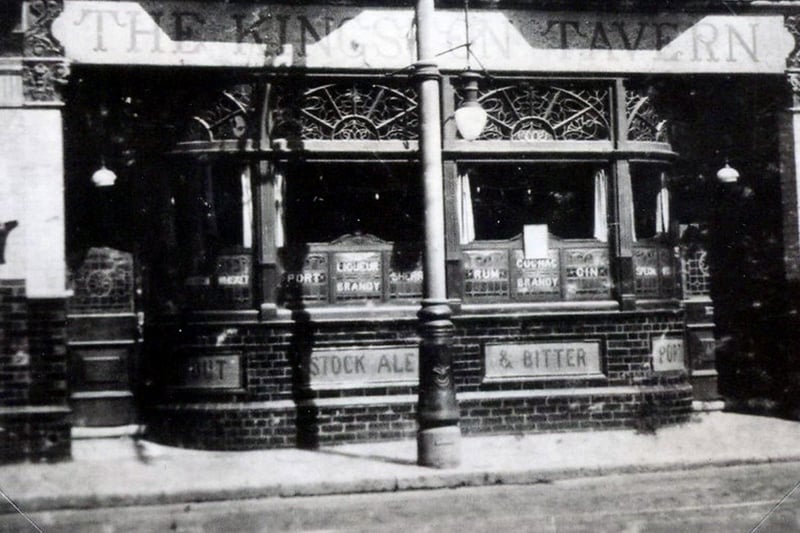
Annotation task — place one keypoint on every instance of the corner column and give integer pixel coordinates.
(622, 210)
(438, 436)
(34, 414)
(789, 145)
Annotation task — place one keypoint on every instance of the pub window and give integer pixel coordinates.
(569, 198)
(651, 206)
(535, 232)
(654, 259)
(214, 230)
(328, 201)
(353, 234)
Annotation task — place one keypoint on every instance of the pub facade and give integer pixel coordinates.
(240, 234)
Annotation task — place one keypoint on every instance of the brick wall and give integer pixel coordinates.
(277, 408)
(33, 376)
(15, 368)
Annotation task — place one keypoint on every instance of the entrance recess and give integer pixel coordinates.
(103, 339)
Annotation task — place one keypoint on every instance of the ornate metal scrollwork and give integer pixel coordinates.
(39, 40)
(227, 116)
(45, 70)
(353, 110)
(103, 282)
(528, 111)
(794, 82)
(43, 79)
(644, 123)
(792, 24)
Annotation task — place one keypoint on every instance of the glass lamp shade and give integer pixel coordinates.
(728, 174)
(470, 120)
(103, 177)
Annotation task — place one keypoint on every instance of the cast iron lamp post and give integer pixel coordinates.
(438, 434)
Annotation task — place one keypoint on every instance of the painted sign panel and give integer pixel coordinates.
(364, 367)
(209, 372)
(536, 278)
(311, 282)
(668, 354)
(543, 359)
(349, 37)
(357, 275)
(485, 273)
(586, 273)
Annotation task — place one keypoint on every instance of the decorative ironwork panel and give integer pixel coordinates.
(535, 279)
(695, 273)
(229, 115)
(644, 123)
(538, 111)
(586, 274)
(103, 283)
(486, 274)
(346, 111)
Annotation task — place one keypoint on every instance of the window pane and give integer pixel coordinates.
(507, 197)
(326, 201)
(646, 183)
(213, 228)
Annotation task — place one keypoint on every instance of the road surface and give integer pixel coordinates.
(721, 500)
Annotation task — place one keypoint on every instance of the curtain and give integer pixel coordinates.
(662, 207)
(601, 205)
(280, 190)
(247, 209)
(466, 218)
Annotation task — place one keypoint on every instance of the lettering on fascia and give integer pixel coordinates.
(707, 39)
(236, 33)
(185, 29)
(539, 359)
(209, 372)
(367, 367)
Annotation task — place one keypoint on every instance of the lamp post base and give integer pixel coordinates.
(438, 437)
(439, 447)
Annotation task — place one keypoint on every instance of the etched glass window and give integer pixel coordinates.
(537, 110)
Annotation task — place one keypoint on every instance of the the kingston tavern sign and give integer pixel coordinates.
(251, 35)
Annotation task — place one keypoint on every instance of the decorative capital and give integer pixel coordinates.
(38, 17)
(792, 24)
(44, 68)
(794, 82)
(43, 79)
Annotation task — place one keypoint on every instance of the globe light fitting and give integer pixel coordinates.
(470, 116)
(103, 177)
(728, 174)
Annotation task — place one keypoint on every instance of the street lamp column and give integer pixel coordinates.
(438, 436)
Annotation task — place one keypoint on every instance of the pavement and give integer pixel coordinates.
(124, 471)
